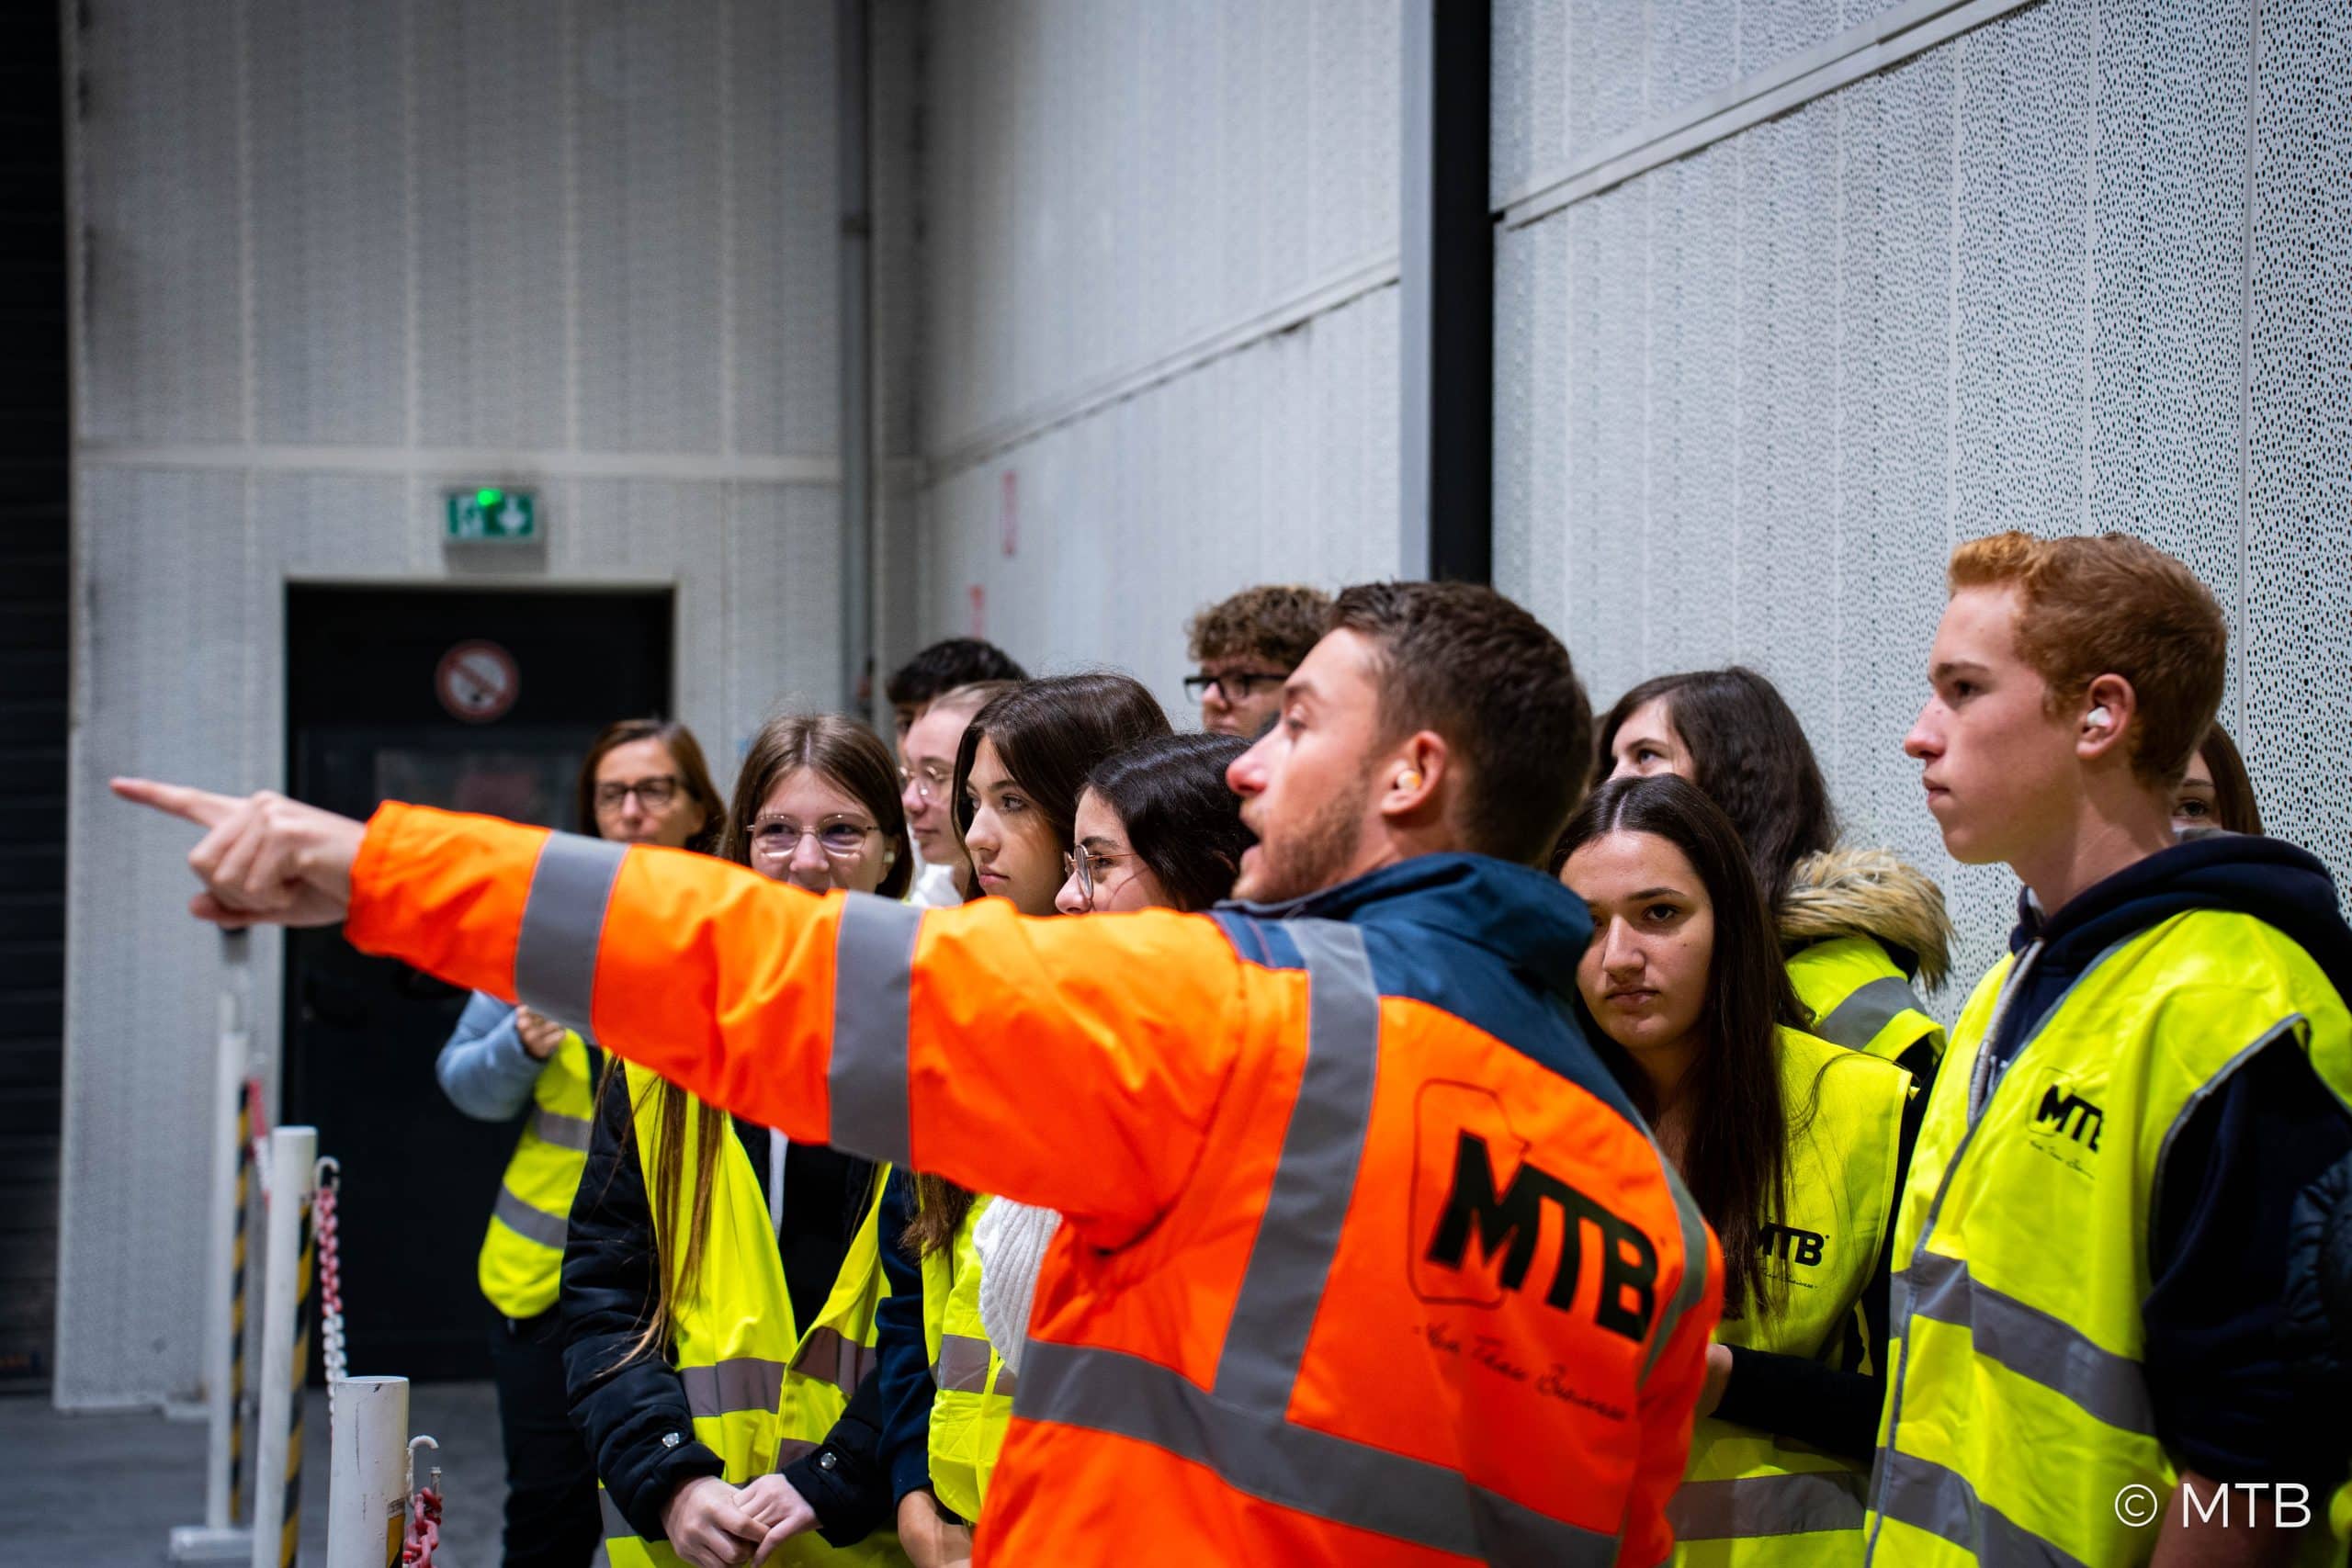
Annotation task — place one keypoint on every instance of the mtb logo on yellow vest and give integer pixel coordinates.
(762, 1391)
(522, 1253)
(1749, 1498)
(2018, 1424)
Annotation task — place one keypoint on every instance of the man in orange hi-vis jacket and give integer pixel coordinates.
(1367, 1261)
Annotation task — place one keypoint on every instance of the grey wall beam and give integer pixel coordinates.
(1446, 266)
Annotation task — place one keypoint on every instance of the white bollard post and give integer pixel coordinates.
(225, 1535)
(277, 1472)
(368, 1472)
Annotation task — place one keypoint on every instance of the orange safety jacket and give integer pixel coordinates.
(1367, 1261)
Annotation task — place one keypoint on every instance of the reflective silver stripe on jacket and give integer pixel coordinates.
(1928, 1496)
(1240, 1430)
(563, 922)
(963, 1368)
(873, 979)
(616, 1527)
(1870, 1008)
(532, 1224)
(563, 1132)
(755, 1383)
(828, 1356)
(1297, 1467)
(2030, 1342)
(1747, 1506)
(1694, 1264)
(738, 1383)
(1290, 1261)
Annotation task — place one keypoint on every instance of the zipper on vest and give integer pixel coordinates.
(1986, 1076)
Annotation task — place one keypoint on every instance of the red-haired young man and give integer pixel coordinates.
(2095, 1249)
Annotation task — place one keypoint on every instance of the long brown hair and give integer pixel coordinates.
(852, 758)
(1049, 734)
(1735, 1161)
(694, 776)
(1750, 755)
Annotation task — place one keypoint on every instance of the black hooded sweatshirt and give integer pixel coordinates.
(2233, 1399)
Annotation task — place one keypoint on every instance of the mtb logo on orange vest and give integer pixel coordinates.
(1474, 1183)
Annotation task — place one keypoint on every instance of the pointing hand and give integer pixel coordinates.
(264, 860)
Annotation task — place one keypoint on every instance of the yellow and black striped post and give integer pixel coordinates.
(289, 1536)
(237, 1305)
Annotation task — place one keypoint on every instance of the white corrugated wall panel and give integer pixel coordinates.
(325, 247)
(1130, 206)
(1746, 401)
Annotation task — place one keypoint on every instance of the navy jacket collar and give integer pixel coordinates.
(1524, 917)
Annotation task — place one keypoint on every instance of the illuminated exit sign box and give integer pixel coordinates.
(490, 515)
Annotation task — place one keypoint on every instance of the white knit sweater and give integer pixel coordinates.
(1012, 1238)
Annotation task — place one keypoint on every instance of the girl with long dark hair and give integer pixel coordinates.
(719, 1282)
(1020, 769)
(1858, 926)
(642, 782)
(1793, 1149)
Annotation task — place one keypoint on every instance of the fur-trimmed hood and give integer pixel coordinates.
(1855, 892)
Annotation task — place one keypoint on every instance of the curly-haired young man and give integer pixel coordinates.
(1245, 648)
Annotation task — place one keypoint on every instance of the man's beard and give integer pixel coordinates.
(1312, 856)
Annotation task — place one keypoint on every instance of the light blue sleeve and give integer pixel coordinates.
(483, 1069)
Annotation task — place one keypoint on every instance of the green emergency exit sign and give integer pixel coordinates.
(489, 514)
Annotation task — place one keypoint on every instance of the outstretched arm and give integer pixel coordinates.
(1073, 1064)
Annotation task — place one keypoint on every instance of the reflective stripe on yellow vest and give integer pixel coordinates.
(972, 1400)
(1748, 1498)
(2017, 1410)
(1861, 999)
(761, 1394)
(522, 1254)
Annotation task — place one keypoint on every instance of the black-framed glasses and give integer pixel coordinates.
(652, 794)
(929, 784)
(1083, 863)
(1234, 685)
(773, 840)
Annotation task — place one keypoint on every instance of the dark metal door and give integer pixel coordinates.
(377, 680)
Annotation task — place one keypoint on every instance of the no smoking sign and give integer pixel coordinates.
(477, 681)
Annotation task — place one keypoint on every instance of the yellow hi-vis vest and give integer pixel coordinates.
(2017, 1410)
(522, 1254)
(762, 1393)
(1748, 1497)
(972, 1400)
(1861, 999)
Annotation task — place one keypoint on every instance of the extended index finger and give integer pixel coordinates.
(200, 807)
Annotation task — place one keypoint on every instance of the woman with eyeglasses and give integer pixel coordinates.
(1021, 766)
(643, 782)
(1157, 827)
(720, 1282)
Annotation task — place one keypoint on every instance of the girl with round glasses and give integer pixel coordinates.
(1157, 827)
(1021, 766)
(703, 1246)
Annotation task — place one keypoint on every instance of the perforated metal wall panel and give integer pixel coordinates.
(1161, 254)
(335, 257)
(2078, 268)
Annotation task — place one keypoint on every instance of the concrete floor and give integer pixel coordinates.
(78, 1491)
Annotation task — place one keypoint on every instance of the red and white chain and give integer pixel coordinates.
(422, 1537)
(323, 1209)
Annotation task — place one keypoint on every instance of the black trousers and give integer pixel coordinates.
(552, 1519)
